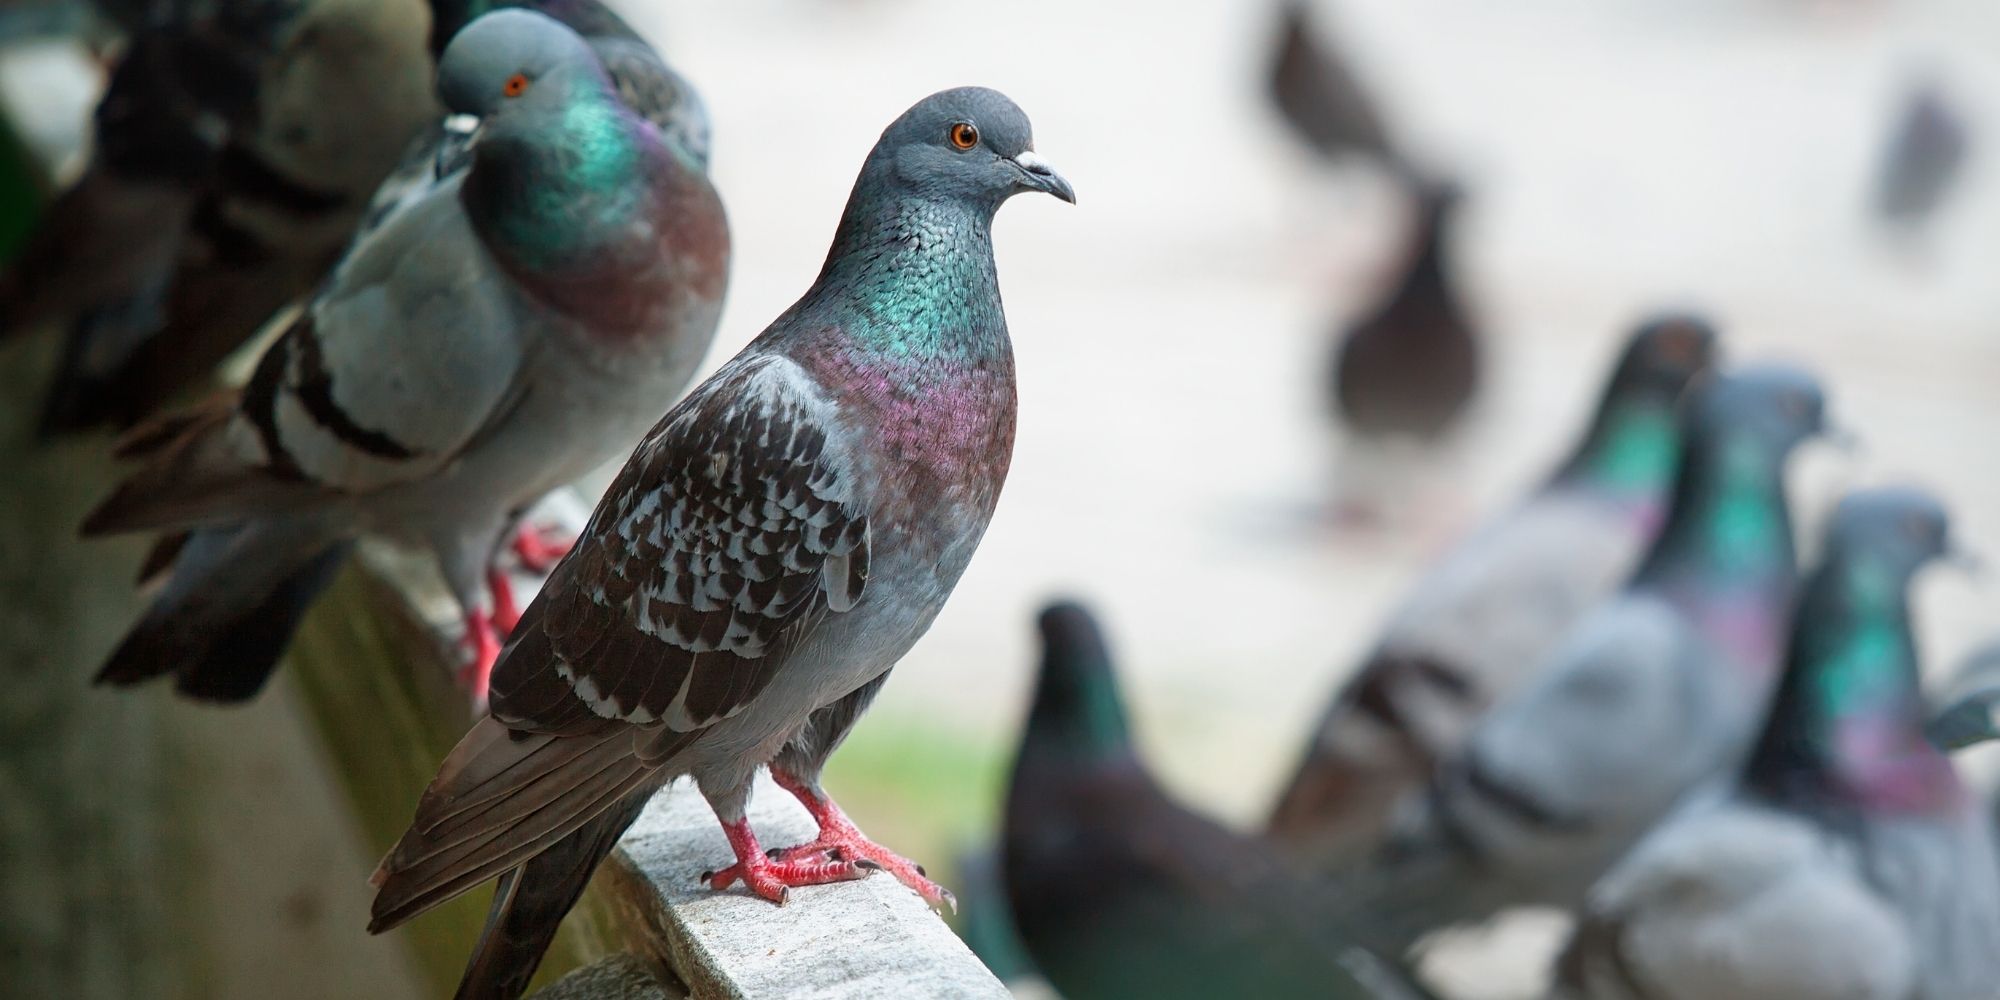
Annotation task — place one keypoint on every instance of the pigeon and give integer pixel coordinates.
(522, 323)
(1409, 368)
(1922, 160)
(1119, 891)
(258, 214)
(1319, 96)
(1472, 629)
(1849, 862)
(1650, 694)
(771, 549)
(235, 148)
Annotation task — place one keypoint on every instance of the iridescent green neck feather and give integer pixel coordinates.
(1729, 527)
(1847, 723)
(912, 279)
(1632, 449)
(1077, 714)
(550, 191)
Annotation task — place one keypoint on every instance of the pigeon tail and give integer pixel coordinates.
(228, 612)
(529, 903)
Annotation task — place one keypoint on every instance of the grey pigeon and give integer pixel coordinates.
(235, 150)
(778, 541)
(1119, 891)
(521, 323)
(1924, 156)
(1475, 626)
(1652, 693)
(1850, 863)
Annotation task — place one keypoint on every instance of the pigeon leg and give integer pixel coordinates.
(539, 549)
(485, 642)
(770, 878)
(506, 613)
(840, 838)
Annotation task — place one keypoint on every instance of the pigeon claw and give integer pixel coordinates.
(840, 840)
(773, 879)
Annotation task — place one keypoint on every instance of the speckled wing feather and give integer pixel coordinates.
(731, 532)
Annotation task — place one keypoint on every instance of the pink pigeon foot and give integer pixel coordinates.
(839, 839)
(769, 878)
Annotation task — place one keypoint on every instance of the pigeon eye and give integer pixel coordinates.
(515, 86)
(964, 135)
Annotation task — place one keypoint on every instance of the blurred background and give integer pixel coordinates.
(1178, 464)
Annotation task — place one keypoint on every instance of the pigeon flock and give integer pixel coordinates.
(500, 264)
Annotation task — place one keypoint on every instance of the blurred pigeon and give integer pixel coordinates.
(1473, 628)
(1119, 891)
(782, 537)
(1649, 695)
(1319, 96)
(1922, 158)
(256, 215)
(1851, 863)
(1409, 368)
(517, 326)
(235, 149)
(1971, 712)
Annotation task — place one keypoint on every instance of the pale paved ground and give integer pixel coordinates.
(1621, 155)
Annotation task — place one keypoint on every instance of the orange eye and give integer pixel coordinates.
(515, 86)
(964, 135)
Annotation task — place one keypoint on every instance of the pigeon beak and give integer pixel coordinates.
(1042, 177)
(461, 127)
(1966, 561)
(1843, 439)
(460, 133)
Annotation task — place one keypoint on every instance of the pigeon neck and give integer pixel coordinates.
(1078, 716)
(549, 188)
(1847, 726)
(1427, 268)
(1728, 524)
(1631, 450)
(914, 279)
(1725, 554)
(594, 216)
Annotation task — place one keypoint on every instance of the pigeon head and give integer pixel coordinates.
(588, 17)
(1634, 441)
(1665, 355)
(970, 145)
(1891, 532)
(516, 59)
(1077, 711)
(1775, 405)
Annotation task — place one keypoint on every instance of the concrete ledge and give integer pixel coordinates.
(871, 938)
